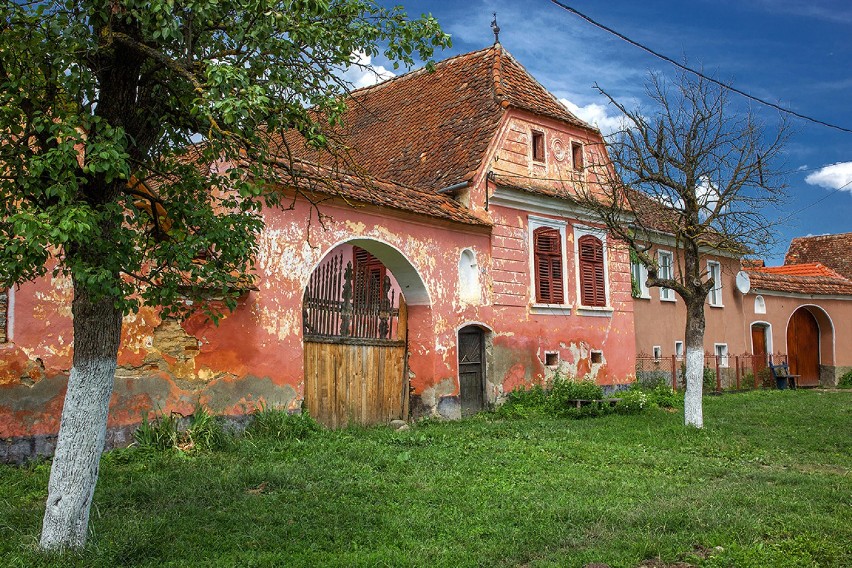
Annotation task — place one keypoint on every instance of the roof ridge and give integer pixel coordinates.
(416, 72)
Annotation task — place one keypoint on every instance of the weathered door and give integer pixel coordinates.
(803, 347)
(355, 348)
(471, 369)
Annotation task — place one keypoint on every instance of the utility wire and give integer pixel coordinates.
(698, 73)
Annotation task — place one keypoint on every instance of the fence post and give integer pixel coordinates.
(674, 373)
(737, 363)
(718, 375)
(754, 371)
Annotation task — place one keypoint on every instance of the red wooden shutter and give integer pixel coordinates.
(547, 253)
(592, 280)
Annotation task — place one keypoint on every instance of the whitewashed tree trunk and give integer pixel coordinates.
(74, 473)
(693, 410)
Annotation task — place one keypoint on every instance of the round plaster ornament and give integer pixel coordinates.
(558, 149)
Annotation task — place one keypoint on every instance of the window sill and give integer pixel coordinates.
(671, 300)
(551, 309)
(595, 311)
(716, 305)
(648, 297)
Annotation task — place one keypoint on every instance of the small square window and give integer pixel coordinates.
(679, 349)
(537, 146)
(597, 357)
(722, 353)
(551, 359)
(658, 352)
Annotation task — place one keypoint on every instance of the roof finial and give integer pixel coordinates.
(495, 28)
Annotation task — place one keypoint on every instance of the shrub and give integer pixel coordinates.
(664, 396)
(524, 403)
(633, 401)
(845, 381)
(268, 422)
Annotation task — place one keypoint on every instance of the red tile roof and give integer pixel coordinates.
(320, 183)
(806, 269)
(817, 285)
(834, 251)
(431, 130)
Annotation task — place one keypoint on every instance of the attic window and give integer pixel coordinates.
(537, 146)
(577, 155)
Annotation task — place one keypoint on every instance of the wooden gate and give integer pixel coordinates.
(355, 328)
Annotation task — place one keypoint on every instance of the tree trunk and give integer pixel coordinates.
(74, 473)
(693, 414)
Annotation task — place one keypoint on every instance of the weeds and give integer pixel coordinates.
(203, 433)
(268, 422)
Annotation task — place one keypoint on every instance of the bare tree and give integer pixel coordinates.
(700, 171)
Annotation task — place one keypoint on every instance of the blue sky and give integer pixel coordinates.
(793, 53)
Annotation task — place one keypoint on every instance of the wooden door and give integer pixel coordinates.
(803, 347)
(758, 343)
(471, 346)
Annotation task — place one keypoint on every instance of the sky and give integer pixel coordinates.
(792, 53)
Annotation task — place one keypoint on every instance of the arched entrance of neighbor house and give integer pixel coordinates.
(355, 331)
(808, 330)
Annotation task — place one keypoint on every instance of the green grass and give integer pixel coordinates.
(768, 480)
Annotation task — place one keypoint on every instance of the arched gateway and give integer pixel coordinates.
(355, 331)
(809, 343)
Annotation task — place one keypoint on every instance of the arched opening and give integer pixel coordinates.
(355, 323)
(469, 288)
(810, 344)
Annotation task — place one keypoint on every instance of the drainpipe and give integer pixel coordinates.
(454, 187)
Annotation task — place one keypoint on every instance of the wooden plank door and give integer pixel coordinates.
(758, 343)
(471, 370)
(803, 347)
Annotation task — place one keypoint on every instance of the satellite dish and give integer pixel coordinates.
(743, 282)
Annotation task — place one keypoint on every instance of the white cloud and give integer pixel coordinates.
(835, 176)
(596, 114)
(362, 73)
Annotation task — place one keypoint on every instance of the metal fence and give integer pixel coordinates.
(721, 372)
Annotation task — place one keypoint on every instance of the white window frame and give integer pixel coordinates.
(714, 296)
(666, 294)
(640, 272)
(721, 351)
(534, 222)
(579, 232)
(657, 352)
(759, 305)
(679, 353)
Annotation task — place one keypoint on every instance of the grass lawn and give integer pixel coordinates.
(768, 480)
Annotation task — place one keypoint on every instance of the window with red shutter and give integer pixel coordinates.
(369, 277)
(547, 255)
(592, 280)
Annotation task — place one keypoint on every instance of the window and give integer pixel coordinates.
(714, 270)
(664, 272)
(596, 357)
(4, 310)
(759, 305)
(592, 279)
(722, 353)
(679, 349)
(639, 280)
(658, 352)
(537, 146)
(551, 359)
(547, 253)
(577, 155)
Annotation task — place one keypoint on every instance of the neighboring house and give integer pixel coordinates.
(462, 270)
(804, 308)
(800, 312)
(660, 314)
